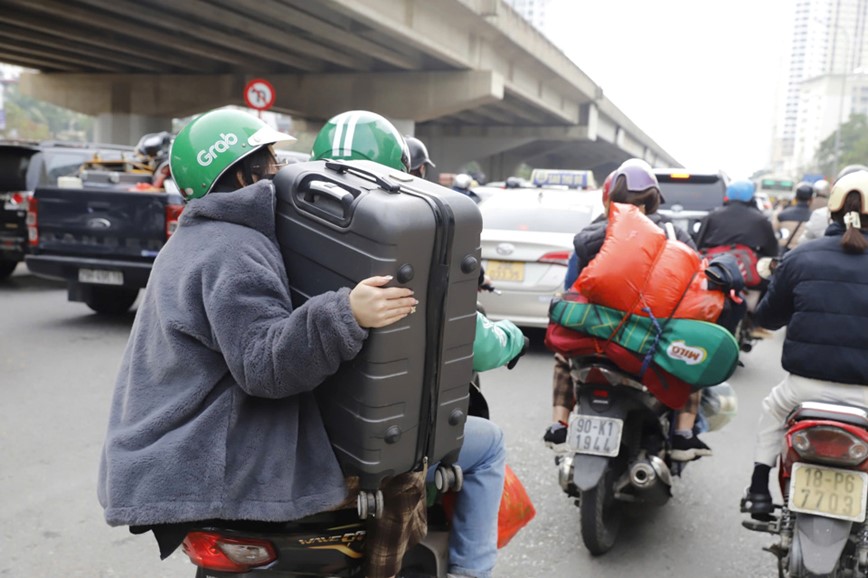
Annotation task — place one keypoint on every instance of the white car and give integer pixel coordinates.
(527, 240)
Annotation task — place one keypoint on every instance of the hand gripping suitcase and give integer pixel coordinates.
(402, 402)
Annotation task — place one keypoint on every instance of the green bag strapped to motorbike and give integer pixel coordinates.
(701, 353)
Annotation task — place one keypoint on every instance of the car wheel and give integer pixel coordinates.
(6, 268)
(111, 300)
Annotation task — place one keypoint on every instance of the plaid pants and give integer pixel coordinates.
(562, 384)
(403, 524)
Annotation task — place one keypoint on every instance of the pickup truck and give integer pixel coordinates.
(24, 165)
(102, 231)
(101, 241)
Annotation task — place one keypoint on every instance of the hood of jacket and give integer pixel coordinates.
(253, 206)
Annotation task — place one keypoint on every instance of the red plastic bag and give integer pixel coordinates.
(516, 509)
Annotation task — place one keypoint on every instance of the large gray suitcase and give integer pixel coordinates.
(402, 402)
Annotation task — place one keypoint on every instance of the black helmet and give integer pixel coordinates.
(804, 191)
(418, 153)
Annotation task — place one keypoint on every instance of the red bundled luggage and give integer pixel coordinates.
(663, 385)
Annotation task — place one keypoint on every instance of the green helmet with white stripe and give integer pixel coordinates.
(360, 134)
(211, 143)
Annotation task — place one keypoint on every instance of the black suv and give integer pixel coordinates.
(690, 195)
(25, 165)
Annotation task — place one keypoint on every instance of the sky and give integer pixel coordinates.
(703, 79)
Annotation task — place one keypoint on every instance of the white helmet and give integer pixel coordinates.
(822, 188)
(462, 181)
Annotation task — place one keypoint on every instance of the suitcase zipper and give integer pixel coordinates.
(435, 312)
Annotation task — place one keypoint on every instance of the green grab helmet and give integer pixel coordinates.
(360, 134)
(211, 143)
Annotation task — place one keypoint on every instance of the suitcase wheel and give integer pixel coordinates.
(448, 478)
(370, 504)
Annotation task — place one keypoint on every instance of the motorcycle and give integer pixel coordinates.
(620, 451)
(822, 528)
(329, 544)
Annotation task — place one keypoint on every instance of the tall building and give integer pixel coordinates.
(826, 79)
(534, 11)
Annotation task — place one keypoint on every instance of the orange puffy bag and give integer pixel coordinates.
(516, 509)
(639, 268)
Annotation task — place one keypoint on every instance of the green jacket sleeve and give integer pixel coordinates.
(495, 344)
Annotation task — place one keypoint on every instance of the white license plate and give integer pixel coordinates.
(101, 276)
(599, 436)
(828, 492)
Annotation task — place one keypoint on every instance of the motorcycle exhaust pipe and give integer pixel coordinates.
(651, 480)
(642, 475)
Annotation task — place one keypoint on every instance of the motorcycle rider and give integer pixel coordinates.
(816, 226)
(634, 182)
(817, 291)
(213, 416)
(563, 393)
(463, 183)
(794, 219)
(473, 535)
(419, 160)
(738, 222)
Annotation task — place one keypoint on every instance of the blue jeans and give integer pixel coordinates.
(473, 536)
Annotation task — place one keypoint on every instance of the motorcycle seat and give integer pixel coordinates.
(816, 410)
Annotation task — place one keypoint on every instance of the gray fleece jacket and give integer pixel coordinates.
(213, 413)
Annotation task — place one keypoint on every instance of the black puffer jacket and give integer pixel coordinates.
(738, 223)
(821, 294)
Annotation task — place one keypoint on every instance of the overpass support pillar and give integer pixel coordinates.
(124, 128)
(500, 166)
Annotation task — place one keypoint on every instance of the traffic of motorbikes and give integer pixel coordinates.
(620, 458)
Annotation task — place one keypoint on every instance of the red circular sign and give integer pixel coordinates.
(259, 94)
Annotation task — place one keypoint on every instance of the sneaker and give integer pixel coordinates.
(556, 436)
(688, 449)
(758, 504)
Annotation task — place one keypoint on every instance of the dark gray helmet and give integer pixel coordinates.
(804, 191)
(418, 153)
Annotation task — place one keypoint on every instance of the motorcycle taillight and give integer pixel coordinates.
(829, 445)
(212, 551)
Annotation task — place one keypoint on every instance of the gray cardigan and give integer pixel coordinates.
(213, 413)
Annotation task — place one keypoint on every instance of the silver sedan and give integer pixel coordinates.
(527, 240)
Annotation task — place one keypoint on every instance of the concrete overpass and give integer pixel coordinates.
(469, 77)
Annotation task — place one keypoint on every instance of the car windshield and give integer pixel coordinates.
(696, 193)
(540, 219)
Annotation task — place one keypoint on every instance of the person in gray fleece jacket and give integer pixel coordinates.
(213, 414)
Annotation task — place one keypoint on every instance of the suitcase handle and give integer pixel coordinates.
(381, 182)
(338, 203)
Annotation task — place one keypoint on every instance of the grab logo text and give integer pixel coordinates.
(226, 140)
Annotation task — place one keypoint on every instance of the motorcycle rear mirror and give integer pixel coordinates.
(765, 266)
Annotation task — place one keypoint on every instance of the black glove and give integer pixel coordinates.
(515, 359)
